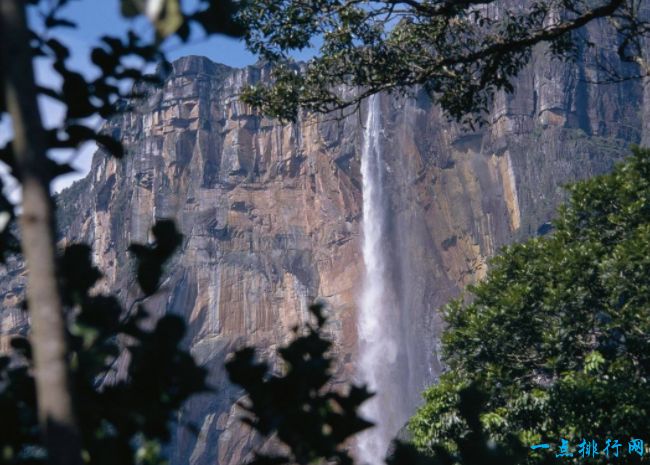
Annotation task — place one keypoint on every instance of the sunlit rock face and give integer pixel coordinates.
(272, 213)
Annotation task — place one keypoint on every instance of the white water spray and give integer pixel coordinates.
(378, 345)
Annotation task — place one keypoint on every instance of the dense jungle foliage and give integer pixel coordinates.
(557, 336)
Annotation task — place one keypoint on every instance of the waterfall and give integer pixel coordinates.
(378, 315)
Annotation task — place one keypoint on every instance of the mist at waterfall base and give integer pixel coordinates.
(381, 361)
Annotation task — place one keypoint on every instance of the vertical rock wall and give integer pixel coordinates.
(271, 213)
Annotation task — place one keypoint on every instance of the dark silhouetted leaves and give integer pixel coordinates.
(151, 257)
(57, 169)
(76, 134)
(407, 454)
(122, 416)
(52, 22)
(299, 406)
(7, 156)
(215, 17)
(114, 57)
(112, 146)
(77, 274)
(131, 8)
(22, 346)
(18, 431)
(8, 242)
(218, 17)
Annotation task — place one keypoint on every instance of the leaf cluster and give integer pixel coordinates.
(128, 381)
(299, 405)
(557, 335)
(314, 423)
(461, 52)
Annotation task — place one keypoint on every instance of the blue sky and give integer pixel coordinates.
(99, 17)
(95, 18)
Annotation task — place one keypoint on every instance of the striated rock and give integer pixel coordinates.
(271, 213)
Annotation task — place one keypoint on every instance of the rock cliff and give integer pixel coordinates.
(271, 212)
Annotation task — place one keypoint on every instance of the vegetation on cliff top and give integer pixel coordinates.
(461, 51)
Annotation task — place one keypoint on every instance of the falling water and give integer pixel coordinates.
(378, 344)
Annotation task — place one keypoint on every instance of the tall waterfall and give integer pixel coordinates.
(378, 315)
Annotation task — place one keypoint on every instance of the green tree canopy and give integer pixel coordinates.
(462, 51)
(558, 335)
(312, 421)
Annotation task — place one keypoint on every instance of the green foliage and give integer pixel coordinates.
(124, 416)
(472, 447)
(296, 405)
(462, 52)
(557, 335)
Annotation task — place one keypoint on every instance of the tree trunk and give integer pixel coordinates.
(55, 406)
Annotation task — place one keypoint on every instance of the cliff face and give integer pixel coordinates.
(271, 213)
